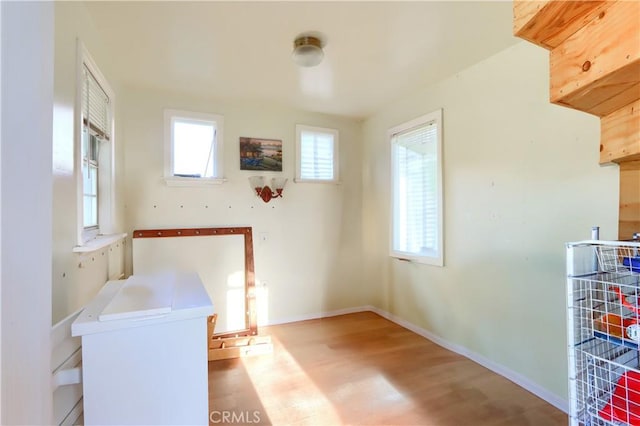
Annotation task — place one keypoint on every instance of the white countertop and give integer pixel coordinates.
(144, 300)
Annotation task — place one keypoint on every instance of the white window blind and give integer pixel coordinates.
(416, 190)
(96, 126)
(94, 150)
(317, 154)
(95, 106)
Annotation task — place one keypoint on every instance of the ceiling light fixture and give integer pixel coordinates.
(307, 51)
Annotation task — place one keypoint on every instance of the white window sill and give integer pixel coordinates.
(186, 181)
(99, 242)
(425, 260)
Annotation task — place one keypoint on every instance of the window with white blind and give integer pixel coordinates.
(317, 154)
(193, 148)
(95, 150)
(96, 129)
(416, 186)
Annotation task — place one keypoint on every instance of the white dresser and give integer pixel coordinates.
(144, 352)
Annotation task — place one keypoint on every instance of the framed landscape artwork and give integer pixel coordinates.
(261, 154)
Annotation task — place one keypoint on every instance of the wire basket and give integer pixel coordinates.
(618, 259)
(606, 332)
(613, 390)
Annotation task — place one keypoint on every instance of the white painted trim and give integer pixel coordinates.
(63, 346)
(106, 204)
(184, 181)
(434, 257)
(66, 362)
(77, 144)
(218, 121)
(336, 153)
(1, 220)
(26, 205)
(517, 378)
(74, 414)
(99, 242)
(67, 375)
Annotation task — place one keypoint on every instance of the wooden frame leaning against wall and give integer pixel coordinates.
(234, 343)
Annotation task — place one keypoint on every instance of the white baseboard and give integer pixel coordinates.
(517, 378)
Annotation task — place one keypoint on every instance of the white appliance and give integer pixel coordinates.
(144, 351)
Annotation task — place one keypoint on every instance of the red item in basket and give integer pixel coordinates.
(624, 405)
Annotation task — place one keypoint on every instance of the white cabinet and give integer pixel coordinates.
(144, 352)
(603, 295)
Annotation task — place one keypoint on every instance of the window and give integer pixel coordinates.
(193, 147)
(90, 167)
(317, 154)
(416, 174)
(94, 150)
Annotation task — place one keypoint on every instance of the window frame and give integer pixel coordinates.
(336, 145)
(106, 154)
(218, 122)
(436, 257)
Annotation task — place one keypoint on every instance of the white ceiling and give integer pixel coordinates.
(375, 52)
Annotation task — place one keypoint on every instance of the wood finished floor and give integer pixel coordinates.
(363, 369)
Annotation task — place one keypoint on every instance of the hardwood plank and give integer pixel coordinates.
(363, 369)
(620, 134)
(548, 23)
(600, 61)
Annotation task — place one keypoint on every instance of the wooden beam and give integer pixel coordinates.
(610, 105)
(595, 68)
(629, 216)
(600, 63)
(548, 23)
(620, 134)
(607, 94)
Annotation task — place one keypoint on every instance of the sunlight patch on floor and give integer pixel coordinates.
(361, 396)
(295, 399)
(373, 399)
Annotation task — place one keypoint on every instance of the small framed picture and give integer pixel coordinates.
(261, 154)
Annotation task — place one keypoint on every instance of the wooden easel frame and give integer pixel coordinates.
(251, 317)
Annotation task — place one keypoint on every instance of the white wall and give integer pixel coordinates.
(0, 217)
(311, 260)
(27, 95)
(521, 177)
(76, 278)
